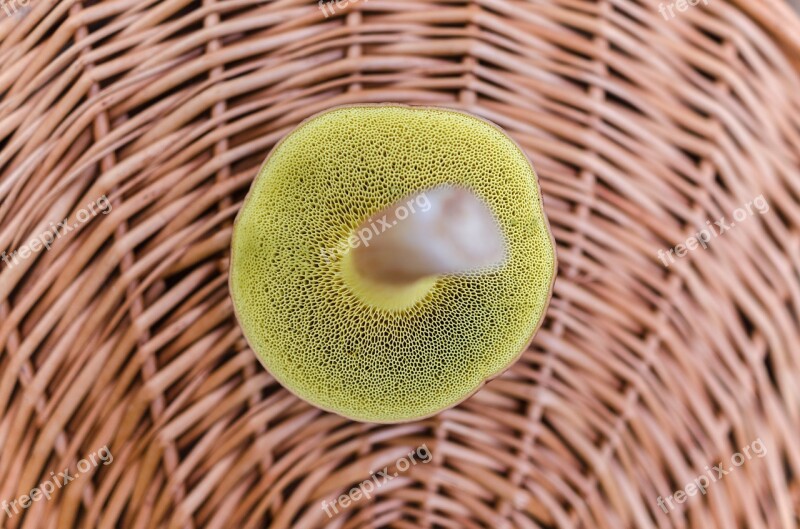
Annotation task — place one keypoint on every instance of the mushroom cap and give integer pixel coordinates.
(300, 314)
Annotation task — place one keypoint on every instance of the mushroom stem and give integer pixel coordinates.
(446, 230)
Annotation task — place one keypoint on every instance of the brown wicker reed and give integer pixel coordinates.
(641, 129)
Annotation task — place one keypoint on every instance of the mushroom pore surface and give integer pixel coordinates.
(293, 288)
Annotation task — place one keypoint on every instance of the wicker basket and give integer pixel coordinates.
(645, 129)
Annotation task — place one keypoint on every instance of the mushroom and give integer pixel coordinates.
(389, 260)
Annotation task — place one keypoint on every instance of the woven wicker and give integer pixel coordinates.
(641, 129)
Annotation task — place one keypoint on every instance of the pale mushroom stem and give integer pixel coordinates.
(446, 230)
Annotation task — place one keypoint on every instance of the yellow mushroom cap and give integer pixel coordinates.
(381, 357)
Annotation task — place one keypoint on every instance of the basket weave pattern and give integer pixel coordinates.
(641, 129)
